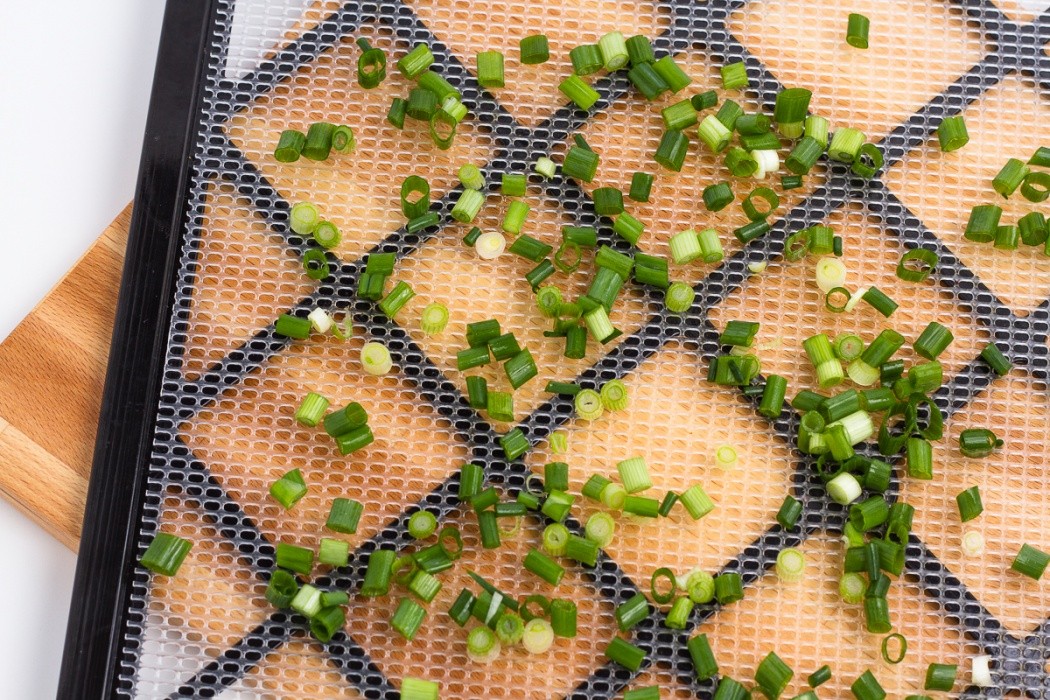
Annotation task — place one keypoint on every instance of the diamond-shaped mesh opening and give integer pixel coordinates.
(531, 91)
(628, 134)
(941, 188)
(808, 625)
(1017, 410)
(516, 673)
(225, 429)
(787, 302)
(804, 45)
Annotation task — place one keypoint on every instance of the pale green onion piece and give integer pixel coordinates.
(559, 443)
(757, 268)
(844, 489)
(375, 359)
(613, 48)
(852, 587)
(862, 373)
(490, 245)
(973, 543)
(981, 672)
(482, 645)
(433, 319)
(613, 496)
(726, 457)
(419, 689)
(545, 167)
(768, 162)
(320, 320)
(685, 247)
(830, 273)
(634, 474)
(304, 218)
(538, 637)
(600, 529)
(589, 405)
(791, 565)
(471, 177)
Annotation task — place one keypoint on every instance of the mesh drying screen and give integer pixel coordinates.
(225, 430)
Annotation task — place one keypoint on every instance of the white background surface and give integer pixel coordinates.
(75, 80)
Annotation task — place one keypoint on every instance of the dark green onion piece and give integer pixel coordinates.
(641, 186)
(639, 50)
(316, 264)
(539, 274)
(422, 104)
(608, 201)
(740, 163)
(789, 513)
(734, 76)
(704, 100)
(281, 589)
(586, 59)
(1033, 228)
(704, 664)
(790, 110)
(563, 617)
(647, 81)
(628, 228)
(729, 689)
(641, 506)
(672, 74)
(752, 124)
(1010, 177)
(940, 677)
(438, 85)
(408, 618)
(749, 232)
(397, 112)
(580, 164)
(760, 142)
(806, 400)
(166, 552)
(773, 396)
(819, 677)
(668, 503)
(867, 688)
(952, 134)
(318, 141)
(672, 150)
(582, 550)
(289, 146)
(878, 300)
(679, 115)
(292, 327)
(869, 161)
(916, 265)
(797, 245)
(1030, 561)
(393, 302)
(534, 49)
(790, 182)
(983, 223)
(665, 574)
(461, 607)
(753, 212)
(717, 196)
(919, 454)
(934, 339)
(729, 588)
(520, 369)
(1036, 187)
(804, 156)
(970, 506)
(530, 249)
(626, 654)
(477, 392)
(651, 270)
(631, 612)
(728, 114)
(773, 675)
(543, 566)
(902, 648)
(378, 573)
(857, 31)
(289, 489)
(978, 442)
(998, 361)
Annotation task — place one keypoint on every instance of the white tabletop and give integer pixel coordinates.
(72, 114)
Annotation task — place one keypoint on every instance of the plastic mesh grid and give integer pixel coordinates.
(225, 428)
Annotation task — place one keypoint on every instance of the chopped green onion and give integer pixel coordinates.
(289, 489)
(857, 31)
(545, 167)
(679, 297)
(555, 539)
(1033, 228)
(614, 51)
(311, 410)
(608, 201)
(701, 587)
(845, 145)
(500, 405)
(753, 212)
(916, 265)
(647, 81)
(482, 645)
(791, 565)
(952, 134)
(543, 566)
(678, 616)
(940, 677)
(586, 59)
(641, 186)
(820, 352)
(1036, 187)
(749, 232)
(717, 196)
(773, 675)
(538, 637)
(582, 550)
(316, 264)
(530, 248)
(704, 100)
(734, 76)
(728, 114)
(852, 587)
(419, 689)
(714, 134)
(804, 155)
(679, 115)
(710, 246)
(514, 444)
(1010, 177)
(665, 574)
(879, 301)
(729, 689)
(671, 73)
(307, 601)
(704, 664)
(789, 513)
(436, 84)
(600, 529)
(641, 506)
(983, 223)
(625, 654)
(318, 141)
(844, 489)
(869, 161)
(520, 368)
(344, 516)
(978, 442)
(671, 151)
(303, 218)
(600, 328)
(729, 588)
(563, 618)
(343, 140)
(289, 146)
(789, 111)
(867, 688)
(752, 125)
(557, 505)
(817, 128)
(289, 556)
(614, 395)
(614, 496)
(996, 359)
(576, 344)
(819, 677)
(902, 648)
(790, 182)
(281, 589)
(579, 92)
(534, 49)
(333, 552)
(580, 164)
(166, 552)
(740, 163)
(919, 454)
(639, 50)
(589, 405)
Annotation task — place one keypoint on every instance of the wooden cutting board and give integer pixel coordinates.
(59, 351)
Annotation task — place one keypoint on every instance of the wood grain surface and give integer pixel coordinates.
(59, 350)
